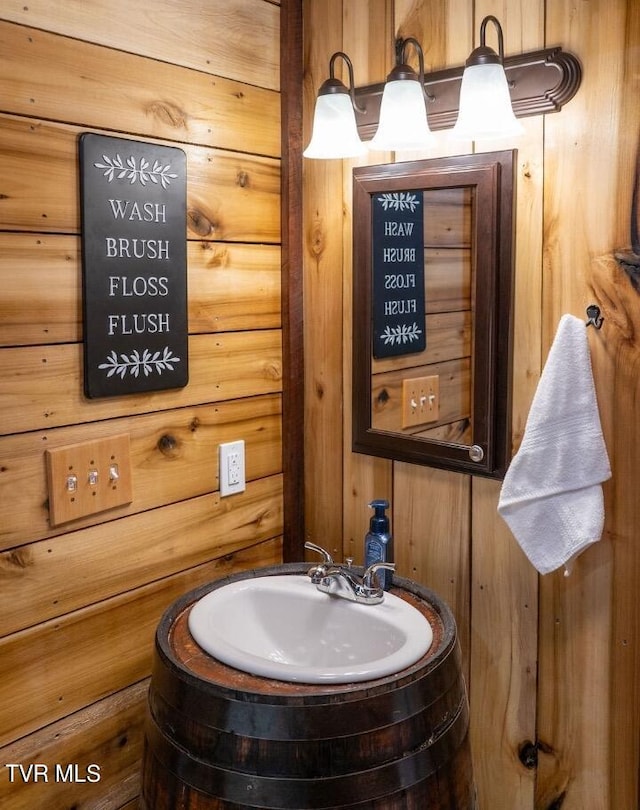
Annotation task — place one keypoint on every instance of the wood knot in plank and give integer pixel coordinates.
(215, 256)
(630, 263)
(199, 223)
(557, 803)
(169, 114)
(263, 518)
(273, 371)
(167, 445)
(526, 171)
(528, 754)
(20, 558)
(316, 241)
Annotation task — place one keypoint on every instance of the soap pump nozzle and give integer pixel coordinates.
(379, 522)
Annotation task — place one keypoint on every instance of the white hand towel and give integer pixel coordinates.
(551, 497)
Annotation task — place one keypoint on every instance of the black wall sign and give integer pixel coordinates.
(398, 273)
(134, 262)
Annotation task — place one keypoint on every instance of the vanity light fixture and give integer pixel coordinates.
(485, 104)
(334, 133)
(538, 82)
(403, 113)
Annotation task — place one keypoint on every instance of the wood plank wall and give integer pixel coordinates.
(553, 663)
(79, 603)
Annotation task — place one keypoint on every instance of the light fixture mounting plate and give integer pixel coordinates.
(540, 82)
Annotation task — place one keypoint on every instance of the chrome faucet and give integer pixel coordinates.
(342, 581)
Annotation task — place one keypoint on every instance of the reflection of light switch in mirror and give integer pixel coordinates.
(420, 400)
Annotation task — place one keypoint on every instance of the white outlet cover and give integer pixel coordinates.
(232, 468)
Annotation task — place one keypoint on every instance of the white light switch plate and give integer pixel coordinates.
(231, 461)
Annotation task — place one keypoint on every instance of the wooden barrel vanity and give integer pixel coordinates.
(217, 738)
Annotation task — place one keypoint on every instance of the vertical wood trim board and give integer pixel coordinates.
(292, 277)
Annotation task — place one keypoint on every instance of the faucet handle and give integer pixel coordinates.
(367, 579)
(319, 571)
(327, 559)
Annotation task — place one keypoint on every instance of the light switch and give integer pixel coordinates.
(420, 400)
(88, 477)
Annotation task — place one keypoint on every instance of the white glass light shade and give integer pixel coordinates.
(334, 134)
(403, 118)
(485, 105)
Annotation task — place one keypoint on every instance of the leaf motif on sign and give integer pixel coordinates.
(400, 334)
(136, 363)
(115, 169)
(399, 201)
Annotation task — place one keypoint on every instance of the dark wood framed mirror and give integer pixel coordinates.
(432, 311)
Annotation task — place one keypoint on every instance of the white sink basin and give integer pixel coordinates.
(282, 627)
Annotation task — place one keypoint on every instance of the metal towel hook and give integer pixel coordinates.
(594, 316)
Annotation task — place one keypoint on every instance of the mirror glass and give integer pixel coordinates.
(433, 268)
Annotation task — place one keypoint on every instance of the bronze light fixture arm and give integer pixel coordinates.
(540, 82)
(333, 85)
(403, 71)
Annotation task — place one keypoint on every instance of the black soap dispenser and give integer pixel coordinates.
(378, 543)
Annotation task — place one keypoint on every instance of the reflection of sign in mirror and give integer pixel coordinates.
(134, 265)
(467, 211)
(398, 274)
